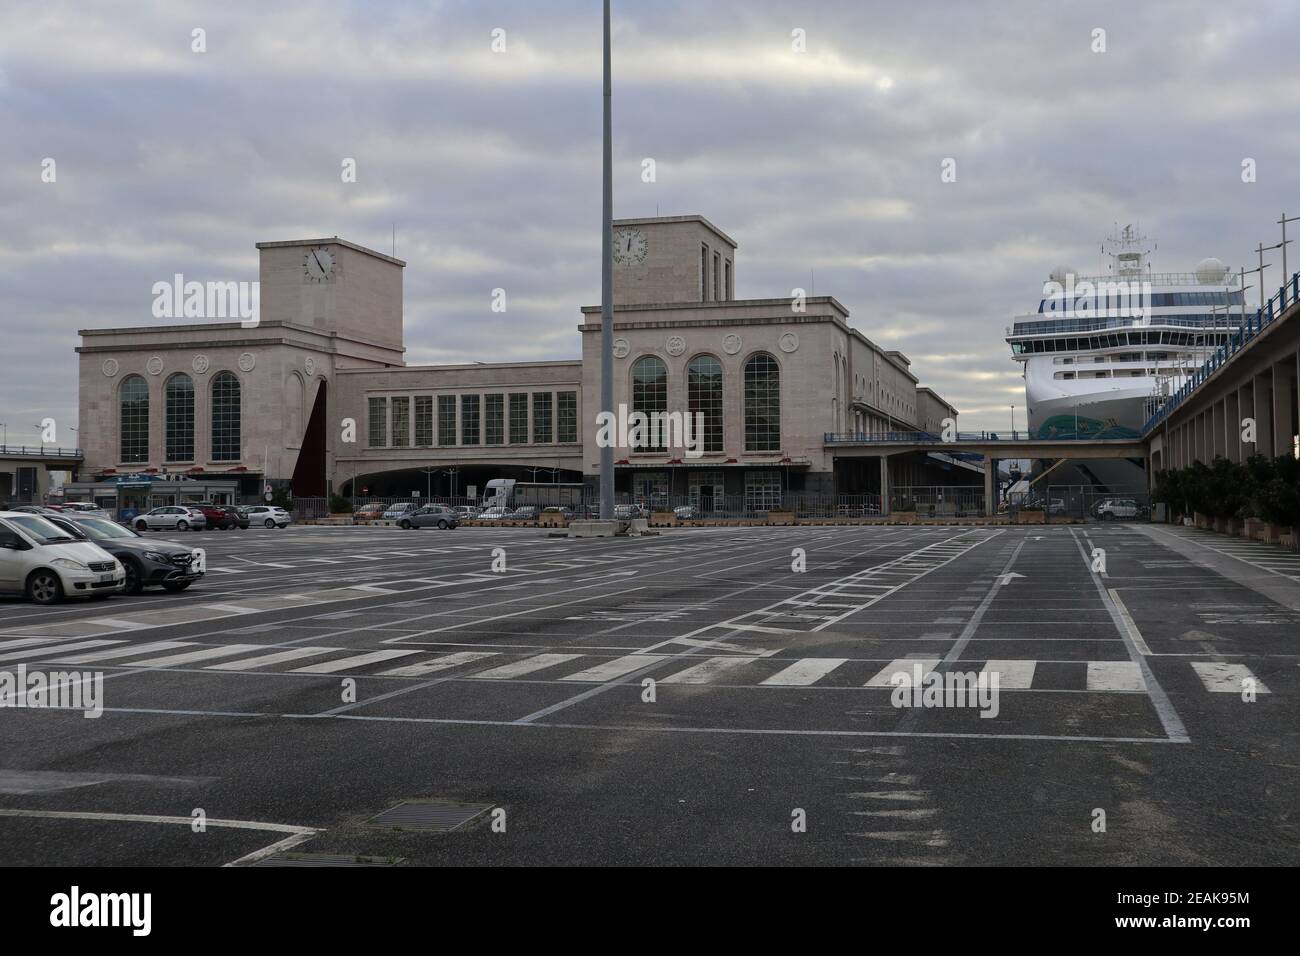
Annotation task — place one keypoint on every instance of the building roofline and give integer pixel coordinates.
(648, 220)
(546, 363)
(713, 304)
(330, 240)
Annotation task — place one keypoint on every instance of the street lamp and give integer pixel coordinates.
(1286, 276)
(1013, 421)
(1261, 250)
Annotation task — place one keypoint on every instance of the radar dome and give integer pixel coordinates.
(1211, 270)
(1060, 272)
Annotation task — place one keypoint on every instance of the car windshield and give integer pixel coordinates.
(101, 529)
(42, 531)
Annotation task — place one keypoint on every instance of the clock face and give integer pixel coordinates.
(630, 247)
(318, 265)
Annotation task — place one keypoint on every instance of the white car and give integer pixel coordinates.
(84, 509)
(1113, 508)
(170, 518)
(269, 516)
(47, 564)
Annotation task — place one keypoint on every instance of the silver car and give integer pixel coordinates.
(170, 518)
(430, 516)
(269, 516)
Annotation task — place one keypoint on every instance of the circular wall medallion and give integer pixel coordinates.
(111, 367)
(309, 364)
(676, 345)
(621, 348)
(731, 344)
(246, 362)
(789, 342)
(154, 366)
(200, 364)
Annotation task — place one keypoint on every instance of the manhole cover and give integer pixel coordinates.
(329, 859)
(438, 817)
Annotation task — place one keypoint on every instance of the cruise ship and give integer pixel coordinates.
(1103, 352)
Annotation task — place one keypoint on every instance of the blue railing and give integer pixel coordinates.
(1264, 316)
(40, 451)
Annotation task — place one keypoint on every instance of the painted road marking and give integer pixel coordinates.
(359, 660)
(128, 651)
(706, 671)
(43, 651)
(438, 664)
(526, 666)
(1012, 675)
(1222, 678)
(616, 668)
(265, 660)
(804, 672)
(1115, 675)
(175, 660)
(904, 665)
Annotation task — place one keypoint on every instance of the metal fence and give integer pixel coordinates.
(1084, 501)
(938, 501)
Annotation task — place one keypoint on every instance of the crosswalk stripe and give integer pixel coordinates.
(807, 671)
(616, 668)
(1115, 675)
(359, 660)
(526, 666)
(43, 651)
(1012, 675)
(438, 664)
(175, 660)
(707, 671)
(128, 651)
(28, 642)
(904, 665)
(1223, 678)
(266, 660)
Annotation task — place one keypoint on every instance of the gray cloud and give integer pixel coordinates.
(823, 163)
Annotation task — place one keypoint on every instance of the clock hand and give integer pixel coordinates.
(318, 262)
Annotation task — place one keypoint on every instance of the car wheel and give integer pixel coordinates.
(44, 587)
(1106, 516)
(142, 526)
(134, 583)
(182, 525)
(269, 523)
(442, 526)
(404, 525)
(174, 586)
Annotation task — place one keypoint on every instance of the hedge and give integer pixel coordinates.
(1260, 487)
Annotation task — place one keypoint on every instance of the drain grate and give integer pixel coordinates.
(421, 815)
(329, 859)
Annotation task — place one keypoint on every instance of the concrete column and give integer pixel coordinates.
(990, 471)
(1263, 388)
(1281, 412)
(884, 484)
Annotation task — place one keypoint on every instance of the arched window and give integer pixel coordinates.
(225, 417)
(650, 396)
(179, 433)
(704, 397)
(133, 419)
(762, 404)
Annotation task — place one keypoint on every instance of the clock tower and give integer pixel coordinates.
(672, 259)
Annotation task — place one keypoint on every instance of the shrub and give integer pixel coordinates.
(340, 505)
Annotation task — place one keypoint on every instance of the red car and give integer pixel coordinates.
(220, 518)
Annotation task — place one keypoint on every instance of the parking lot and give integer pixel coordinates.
(701, 695)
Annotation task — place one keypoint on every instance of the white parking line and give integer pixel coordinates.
(526, 666)
(1115, 675)
(706, 671)
(902, 665)
(1012, 675)
(438, 664)
(42, 651)
(1223, 678)
(128, 651)
(175, 660)
(360, 660)
(804, 672)
(616, 668)
(265, 660)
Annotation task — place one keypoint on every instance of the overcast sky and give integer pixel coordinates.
(824, 161)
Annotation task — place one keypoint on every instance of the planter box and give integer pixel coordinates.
(1028, 516)
(780, 517)
(663, 519)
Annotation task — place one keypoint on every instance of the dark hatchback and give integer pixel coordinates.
(149, 562)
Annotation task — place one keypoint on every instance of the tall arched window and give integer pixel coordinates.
(133, 420)
(650, 395)
(225, 417)
(179, 433)
(762, 404)
(704, 397)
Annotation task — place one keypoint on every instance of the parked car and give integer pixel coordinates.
(430, 516)
(171, 518)
(35, 509)
(686, 512)
(628, 512)
(466, 512)
(147, 562)
(1112, 508)
(559, 511)
(47, 564)
(269, 516)
(494, 514)
(84, 508)
(398, 510)
(214, 516)
(524, 513)
(371, 512)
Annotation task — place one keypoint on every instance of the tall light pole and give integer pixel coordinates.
(1286, 276)
(607, 298)
(1013, 421)
(1262, 287)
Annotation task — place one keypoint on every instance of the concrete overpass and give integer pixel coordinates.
(25, 469)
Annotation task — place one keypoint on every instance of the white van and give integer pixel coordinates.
(43, 562)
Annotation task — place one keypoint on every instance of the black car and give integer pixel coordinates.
(149, 562)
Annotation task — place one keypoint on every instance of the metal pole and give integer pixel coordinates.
(607, 297)
(1286, 276)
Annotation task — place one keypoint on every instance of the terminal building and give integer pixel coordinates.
(316, 396)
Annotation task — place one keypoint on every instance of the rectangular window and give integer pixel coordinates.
(446, 419)
(378, 433)
(704, 272)
(727, 291)
(566, 416)
(469, 417)
(717, 260)
(542, 418)
(423, 420)
(518, 418)
(762, 490)
(401, 415)
(494, 425)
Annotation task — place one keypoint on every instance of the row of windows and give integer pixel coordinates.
(715, 283)
(1154, 299)
(1188, 320)
(704, 397)
(1088, 343)
(493, 419)
(178, 418)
